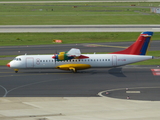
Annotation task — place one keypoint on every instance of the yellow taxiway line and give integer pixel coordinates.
(96, 45)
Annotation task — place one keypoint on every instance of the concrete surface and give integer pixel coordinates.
(78, 28)
(77, 108)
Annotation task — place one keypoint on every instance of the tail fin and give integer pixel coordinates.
(140, 47)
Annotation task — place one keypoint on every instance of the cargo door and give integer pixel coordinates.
(114, 60)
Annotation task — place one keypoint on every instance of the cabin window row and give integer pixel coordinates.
(75, 60)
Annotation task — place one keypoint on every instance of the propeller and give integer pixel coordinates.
(54, 57)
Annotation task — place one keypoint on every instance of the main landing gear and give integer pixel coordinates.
(73, 70)
(16, 70)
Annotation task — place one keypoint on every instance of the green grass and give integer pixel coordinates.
(88, 14)
(4, 62)
(80, 19)
(65, 14)
(11, 39)
(4, 56)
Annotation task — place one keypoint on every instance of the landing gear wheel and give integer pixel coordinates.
(16, 70)
(73, 70)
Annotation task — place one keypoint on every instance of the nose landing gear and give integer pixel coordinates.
(16, 70)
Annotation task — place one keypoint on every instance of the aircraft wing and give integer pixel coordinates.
(73, 53)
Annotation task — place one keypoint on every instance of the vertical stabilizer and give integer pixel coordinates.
(140, 47)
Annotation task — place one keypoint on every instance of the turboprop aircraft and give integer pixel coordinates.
(73, 60)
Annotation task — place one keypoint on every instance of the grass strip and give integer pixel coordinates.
(12, 39)
(4, 62)
(78, 13)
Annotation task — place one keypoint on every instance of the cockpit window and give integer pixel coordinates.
(17, 59)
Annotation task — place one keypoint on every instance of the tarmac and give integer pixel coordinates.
(79, 108)
(125, 93)
(80, 96)
(77, 28)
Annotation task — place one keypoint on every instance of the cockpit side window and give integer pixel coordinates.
(17, 59)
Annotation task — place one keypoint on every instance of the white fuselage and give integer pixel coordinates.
(94, 60)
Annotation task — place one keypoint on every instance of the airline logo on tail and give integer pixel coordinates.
(140, 47)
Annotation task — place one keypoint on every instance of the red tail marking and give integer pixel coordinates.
(135, 48)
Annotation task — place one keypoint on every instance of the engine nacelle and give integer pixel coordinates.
(61, 56)
(73, 66)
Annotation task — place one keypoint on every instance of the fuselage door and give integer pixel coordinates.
(114, 60)
(29, 62)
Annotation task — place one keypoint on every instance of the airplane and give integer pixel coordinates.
(73, 60)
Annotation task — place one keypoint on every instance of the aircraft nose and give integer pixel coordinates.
(8, 65)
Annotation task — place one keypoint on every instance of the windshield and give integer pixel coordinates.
(17, 59)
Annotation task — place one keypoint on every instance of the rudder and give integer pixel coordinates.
(140, 47)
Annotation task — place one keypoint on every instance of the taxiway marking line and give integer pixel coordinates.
(14, 74)
(4, 90)
(106, 46)
(101, 93)
(133, 91)
(156, 72)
